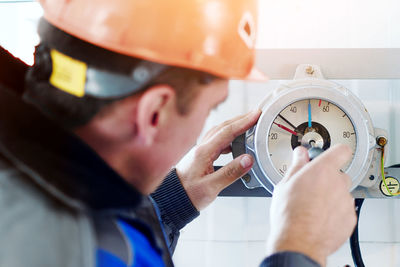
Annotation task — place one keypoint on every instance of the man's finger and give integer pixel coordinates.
(300, 158)
(215, 129)
(347, 180)
(229, 132)
(231, 172)
(336, 156)
(227, 150)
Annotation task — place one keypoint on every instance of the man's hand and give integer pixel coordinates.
(197, 174)
(312, 211)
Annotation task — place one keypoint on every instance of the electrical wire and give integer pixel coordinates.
(383, 174)
(354, 241)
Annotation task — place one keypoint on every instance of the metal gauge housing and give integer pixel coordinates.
(312, 112)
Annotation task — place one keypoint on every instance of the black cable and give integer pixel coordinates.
(395, 166)
(354, 241)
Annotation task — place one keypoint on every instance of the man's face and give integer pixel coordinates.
(189, 126)
(183, 130)
(143, 164)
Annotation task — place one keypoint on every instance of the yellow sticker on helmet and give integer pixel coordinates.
(69, 74)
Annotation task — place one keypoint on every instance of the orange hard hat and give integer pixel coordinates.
(214, 36)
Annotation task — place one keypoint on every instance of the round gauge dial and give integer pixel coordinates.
(311, 123)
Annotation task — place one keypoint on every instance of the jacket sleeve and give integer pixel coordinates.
(175, 208)
(288, 259)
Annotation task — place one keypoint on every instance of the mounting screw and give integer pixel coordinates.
(310, 70)
(381, 141)
(246, 178)
(372, 177)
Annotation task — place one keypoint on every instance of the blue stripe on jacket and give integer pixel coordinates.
(144, 255)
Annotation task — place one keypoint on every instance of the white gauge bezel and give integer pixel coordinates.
(314, 89)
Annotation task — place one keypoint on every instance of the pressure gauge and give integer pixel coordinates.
(314, 113)
(312, 123)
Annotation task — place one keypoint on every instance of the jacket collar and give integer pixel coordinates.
(55, 159)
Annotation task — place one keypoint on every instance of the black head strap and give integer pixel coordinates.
(12, 71)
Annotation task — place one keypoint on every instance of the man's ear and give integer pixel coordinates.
(155, 103)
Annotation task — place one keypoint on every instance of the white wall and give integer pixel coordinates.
(18, 28)
(329, 24)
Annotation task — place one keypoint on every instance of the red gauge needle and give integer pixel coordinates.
(286, 129)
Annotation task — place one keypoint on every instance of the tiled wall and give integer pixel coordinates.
(233, 231)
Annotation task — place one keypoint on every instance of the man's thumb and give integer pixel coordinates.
(300, 158)
(232, 171)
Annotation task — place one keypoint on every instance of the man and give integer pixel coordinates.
(118, 93)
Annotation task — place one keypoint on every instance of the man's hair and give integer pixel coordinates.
(71, 111)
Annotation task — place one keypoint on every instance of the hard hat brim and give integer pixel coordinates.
(256, 75)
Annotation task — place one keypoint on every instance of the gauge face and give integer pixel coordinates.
(310, 123)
